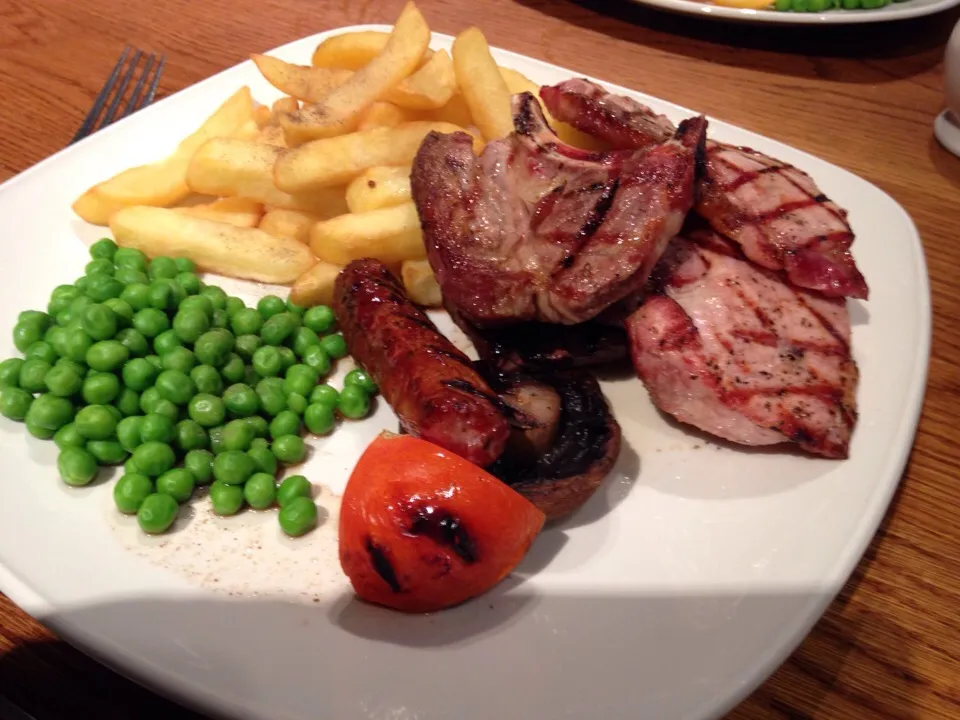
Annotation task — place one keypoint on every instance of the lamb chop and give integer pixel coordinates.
(736, 351)
(537, 230)
(774, 211)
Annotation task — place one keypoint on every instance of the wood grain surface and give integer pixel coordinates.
(861, 97)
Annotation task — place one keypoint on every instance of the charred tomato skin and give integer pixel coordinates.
(422, 529)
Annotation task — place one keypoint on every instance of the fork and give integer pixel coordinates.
(149, 77)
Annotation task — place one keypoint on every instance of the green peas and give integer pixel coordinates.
(139, 374)
(177, 483)
(285, 423)
(107, 452)
(335, 346)
(354, 403)
(61, 297)
(300, 379)
(162, 267)
(37, 317)
(127, 402)
(50, 412)
(293, 487)
(175, 386)
(156, 428)
(41, 350)
(277, 328)
(246, 345)
(266, 361)
(129, 276)
(287, 358)
(149, 399)
(133, 341)
(237, 435)
(130, 492)
(361, 379)
(246, 322)
(260, 491)
(33, 375)
(100, 388)
(81, 284)
(161, 295)
(226, 499)
(261, 443)
(270, 305)
(10, 371)
(64, 380)
(41, 433)
(207, 379)
(25, 334)
(250, 376)
(319, 318)
(214, 347)
(69, 436)
(263, 459)
(216, 295)
(298, 517)
(233, 306)
(185, 265)
(107, 355)
(319, 418)
(99, 266)
(95, 422)
(179, 358)
(272, 398)
(200, 465)
(191, 324)
(165, 407)
(103, 287)
(130, 257)
(260, 427)
(54, 337)
(157, 513)
(103, 248)
(153, 458)
(128, 432)
(150, 322)
(156, 362)
(296, 403)
(220, 319)
(304, 338)
(198, 302)
(137, 296)
(289, 449)
(324, 395)
(206, 409)
(292, 307)
(121, 309)
(77, 467)
(190, 435)
(76, 343)
(166, 342)
(233, 369)
(233, 467)
(216, 439)
(189, 282)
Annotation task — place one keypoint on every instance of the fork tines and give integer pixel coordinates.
(114, 96)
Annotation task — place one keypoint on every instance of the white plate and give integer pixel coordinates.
(683, 583)
(894, 11)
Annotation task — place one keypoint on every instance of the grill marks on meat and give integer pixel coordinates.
(429, 383)
(774, 211)
(537, 230)
(734, 350)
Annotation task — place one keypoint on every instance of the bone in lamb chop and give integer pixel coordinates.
(737, 351)
(537, 230)
(774, 211)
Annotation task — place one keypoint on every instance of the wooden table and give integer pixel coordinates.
(861, 97)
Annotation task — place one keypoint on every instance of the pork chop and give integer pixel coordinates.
(736, 351)
(773, 210)
(537, 230)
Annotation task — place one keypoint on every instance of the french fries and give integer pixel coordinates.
(238, 168)
(309, 84)
(315, 286)
(288, 223)
(482, 85)
(232, 210)
(420, 283)
(339, 111)
(164, 183)
(429, 88)
(385, 114)
(247, 253)
(390, 235)
(455, 112)
(337, 160)
(353, 50)
(379, 187)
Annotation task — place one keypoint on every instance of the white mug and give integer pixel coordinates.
(947, 126)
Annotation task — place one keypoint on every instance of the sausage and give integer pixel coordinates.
(429, 383)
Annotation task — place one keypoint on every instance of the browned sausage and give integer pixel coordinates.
(429, 383)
